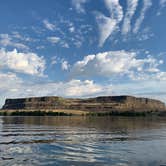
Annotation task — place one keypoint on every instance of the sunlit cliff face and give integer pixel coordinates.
(82, 106)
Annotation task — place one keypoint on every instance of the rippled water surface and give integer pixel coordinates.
(117, 141)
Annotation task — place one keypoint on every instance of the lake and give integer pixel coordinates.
(79, 140)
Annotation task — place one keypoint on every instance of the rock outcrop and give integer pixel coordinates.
(98, 104)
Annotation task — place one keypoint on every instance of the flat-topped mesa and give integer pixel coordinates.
(98, 104)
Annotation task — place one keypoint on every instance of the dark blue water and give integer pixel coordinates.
(115, 141)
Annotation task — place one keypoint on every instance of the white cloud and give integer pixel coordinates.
(78, 5)
(161, 76)
(148, 88)
(53, 39)
(71, 29)
(25, 37)
(16, 35)
(107, 25)
(162, 3)
(28, 63)
(64, 44)
(115, 9)
(6, 40)
(9, 83)
(49, 25)
(53, 60)
(77, 88)
(146, 5)
(114, 63)
(9, 80)
(155, 75)
(72, 88)
(65, 65)
(13, 87)
(131, 8)
(57, 40)
(145, 34)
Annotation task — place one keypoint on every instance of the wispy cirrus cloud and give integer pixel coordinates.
(107, 25)
(146, 5)
(131, 9)
(115, 9)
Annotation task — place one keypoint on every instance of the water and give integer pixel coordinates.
(115, 141)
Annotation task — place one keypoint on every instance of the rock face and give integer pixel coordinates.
(98, 104)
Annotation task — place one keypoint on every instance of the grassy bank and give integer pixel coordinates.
(115, 113)
(75, 113)
(34, 113)
(42, 112)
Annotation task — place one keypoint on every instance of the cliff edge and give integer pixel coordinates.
(98, 104)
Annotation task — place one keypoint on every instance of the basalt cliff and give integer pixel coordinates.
(98, 104)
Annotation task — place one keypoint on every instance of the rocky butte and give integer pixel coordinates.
(102, 104)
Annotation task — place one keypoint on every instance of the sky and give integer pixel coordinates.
(82, 48)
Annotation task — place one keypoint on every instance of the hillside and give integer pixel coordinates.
(98, 104)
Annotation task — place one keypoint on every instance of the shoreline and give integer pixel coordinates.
(66, 112)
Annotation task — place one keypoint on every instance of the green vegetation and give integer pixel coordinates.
(52, 113)
(34, 113)
(116, 113)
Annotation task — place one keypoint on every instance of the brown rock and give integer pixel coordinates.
(98, 104)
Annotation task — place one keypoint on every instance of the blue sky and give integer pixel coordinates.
(82, 48)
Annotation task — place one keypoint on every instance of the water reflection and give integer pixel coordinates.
(82, 141)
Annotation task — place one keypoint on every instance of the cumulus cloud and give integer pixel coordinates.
(146, 5)
(77, 88)
(9, 83)
(131, 9)
(13, 87)
(78, 5)
(49, 25)
(107, 25)
(111, 63)
(73, 88)
(28, 63)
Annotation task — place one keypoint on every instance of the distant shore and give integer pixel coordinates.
(97, 106)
